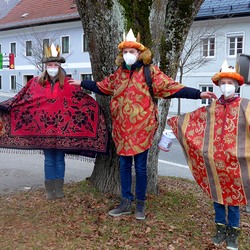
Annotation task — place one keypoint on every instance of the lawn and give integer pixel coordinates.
(180, 217)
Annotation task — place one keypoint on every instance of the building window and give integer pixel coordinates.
(234, 45)
(204, 89)
(0, 82)
(13, 48)
(208, 47)
(65, 44)
(13, 82)
(28, 48)
(45, 42)
(86, 77)
(85, 45)
(237, 92)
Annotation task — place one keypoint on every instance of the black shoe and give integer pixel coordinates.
(232, 238)
(123, 208)
(221, 234)
(140, 210)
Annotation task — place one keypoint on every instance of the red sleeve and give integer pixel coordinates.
(163, 85)
(107, 85)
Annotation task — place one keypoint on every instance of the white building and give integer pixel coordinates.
(27, 27)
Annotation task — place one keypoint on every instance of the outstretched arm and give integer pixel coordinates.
(192, 93)
(208, 95)
(87, 84)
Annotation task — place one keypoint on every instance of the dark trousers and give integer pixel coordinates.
(231, 217)
(140, 162)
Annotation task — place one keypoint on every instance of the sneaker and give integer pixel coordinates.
(221, 234)
(140, 210)
(123, 208)
(232, 238)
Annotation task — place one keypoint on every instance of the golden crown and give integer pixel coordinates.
(52, 54)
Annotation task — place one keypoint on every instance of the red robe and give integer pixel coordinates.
(53, 117)
(134, 115)
(216, 143)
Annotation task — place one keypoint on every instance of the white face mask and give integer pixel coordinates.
(129, 58)
(227, 89)
(52, 71)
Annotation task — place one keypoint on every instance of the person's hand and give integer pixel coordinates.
(75, 82)
(208, 95)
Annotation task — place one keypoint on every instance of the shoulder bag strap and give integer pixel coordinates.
(149, 82)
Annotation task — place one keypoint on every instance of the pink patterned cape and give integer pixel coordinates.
(65, 118)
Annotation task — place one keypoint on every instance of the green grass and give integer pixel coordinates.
(180, 217)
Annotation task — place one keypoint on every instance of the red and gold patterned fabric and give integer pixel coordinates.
(53, 117)
(216, 143)
(134, 115)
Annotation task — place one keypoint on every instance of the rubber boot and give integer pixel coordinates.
(50, 189)
(59, 188)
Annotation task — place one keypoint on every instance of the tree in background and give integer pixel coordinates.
(195, 53)
(192, 57)
(163, 26)
(34, 51)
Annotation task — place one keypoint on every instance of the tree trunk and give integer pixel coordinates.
(179, 16)
(104, 22)
(103, 25)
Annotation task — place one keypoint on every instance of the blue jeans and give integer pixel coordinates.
(233, 217)
(140, 162)
(54, 164)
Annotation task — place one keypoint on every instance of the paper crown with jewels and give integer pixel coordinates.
(227, 72)
(52, 54)
(130, 41)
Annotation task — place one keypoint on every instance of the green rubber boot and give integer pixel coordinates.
(59, 188)
(50, 189)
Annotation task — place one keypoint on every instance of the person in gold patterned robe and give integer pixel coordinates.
(215, 140)
(134, 114)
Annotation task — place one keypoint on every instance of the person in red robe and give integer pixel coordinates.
(215, 140)
(134, 114)
(52, 115)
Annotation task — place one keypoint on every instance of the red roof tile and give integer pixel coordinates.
(39, 12)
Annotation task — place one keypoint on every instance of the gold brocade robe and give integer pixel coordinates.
(216, 143)
(134, 115)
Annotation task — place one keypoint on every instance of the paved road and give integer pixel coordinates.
(25, 171)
